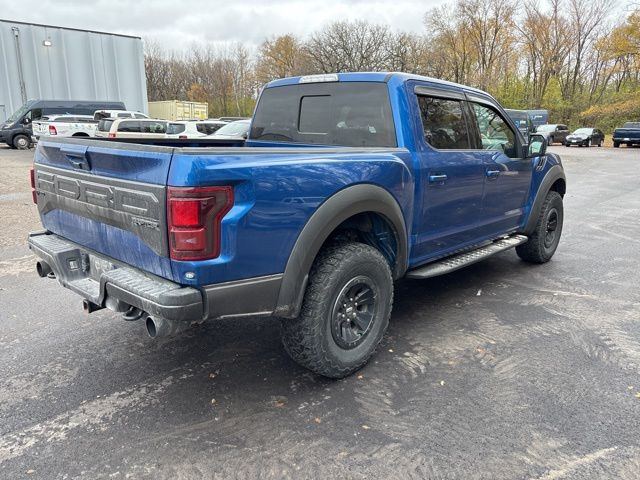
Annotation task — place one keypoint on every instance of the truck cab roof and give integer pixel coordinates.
(382, 77)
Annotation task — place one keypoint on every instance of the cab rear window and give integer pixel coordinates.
(353, 114)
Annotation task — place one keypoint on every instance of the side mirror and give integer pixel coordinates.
(537, 145)
(26, 121)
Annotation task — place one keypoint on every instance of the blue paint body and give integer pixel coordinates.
(276, 193)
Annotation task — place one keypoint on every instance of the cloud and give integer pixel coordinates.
(177, 25)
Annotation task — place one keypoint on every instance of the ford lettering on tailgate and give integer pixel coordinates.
(132, 206)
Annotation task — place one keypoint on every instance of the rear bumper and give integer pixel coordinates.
(626, 139)
(107, 282)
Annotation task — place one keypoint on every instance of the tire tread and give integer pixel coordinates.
(303, 337)
(533, 251)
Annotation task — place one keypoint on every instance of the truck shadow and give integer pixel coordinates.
(234, 357)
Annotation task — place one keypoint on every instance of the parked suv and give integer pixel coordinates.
(130, 128)
(553, 132)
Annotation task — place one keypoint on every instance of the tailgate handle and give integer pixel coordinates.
(77, 157)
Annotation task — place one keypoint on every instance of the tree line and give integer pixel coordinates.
(580, 59)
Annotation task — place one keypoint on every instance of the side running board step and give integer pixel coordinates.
(460, 260)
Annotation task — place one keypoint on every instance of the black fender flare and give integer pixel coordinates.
(342, 205)
(554, 174)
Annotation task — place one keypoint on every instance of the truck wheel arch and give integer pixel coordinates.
(554, 179)
(354, 200)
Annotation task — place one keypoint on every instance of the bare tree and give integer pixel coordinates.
(586, 17)
(349, 47)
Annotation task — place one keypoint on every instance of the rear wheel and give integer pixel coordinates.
(345, 310)
(616, 145)
(21, 142)
(544, 240)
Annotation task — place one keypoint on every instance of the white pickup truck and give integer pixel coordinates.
(65, 126)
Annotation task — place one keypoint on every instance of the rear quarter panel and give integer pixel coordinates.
(276, 192)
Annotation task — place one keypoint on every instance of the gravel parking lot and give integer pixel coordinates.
(501, 370)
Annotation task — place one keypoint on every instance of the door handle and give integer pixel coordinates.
(493, 173)
(437, 178)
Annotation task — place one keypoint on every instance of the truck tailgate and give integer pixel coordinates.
(110, 198)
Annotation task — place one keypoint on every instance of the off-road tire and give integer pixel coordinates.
(539, 249)
(310, 339)
(21, 142)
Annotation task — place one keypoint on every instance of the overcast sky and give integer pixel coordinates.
(179, 23)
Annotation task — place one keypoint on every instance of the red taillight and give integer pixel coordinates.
(112, 135)
(194, 218)
(32, 178)
(52, 130)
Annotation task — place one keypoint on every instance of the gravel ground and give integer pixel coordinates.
(501, 370)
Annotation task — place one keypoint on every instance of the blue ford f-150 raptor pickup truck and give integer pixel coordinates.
(346, 183)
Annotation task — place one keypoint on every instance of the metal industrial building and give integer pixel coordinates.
(49, 62)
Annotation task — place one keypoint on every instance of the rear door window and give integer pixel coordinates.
(443, 122)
